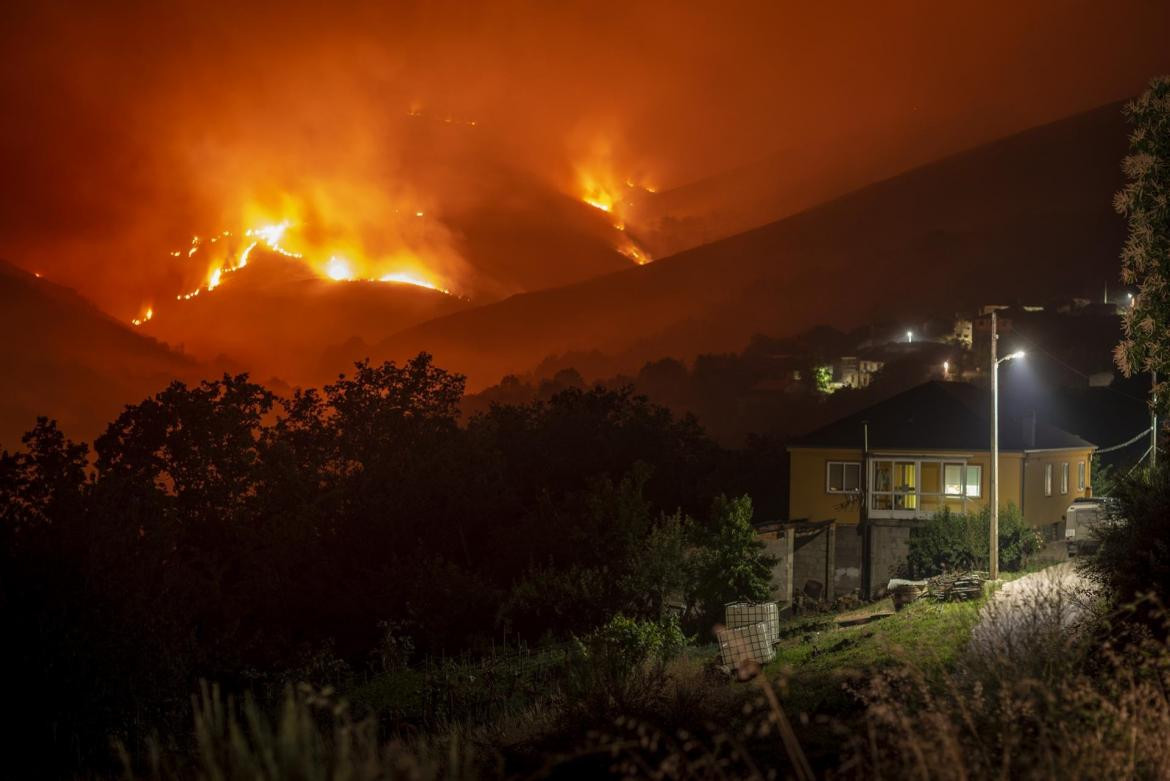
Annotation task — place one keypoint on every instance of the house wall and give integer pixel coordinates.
(1040, 510)
(808, 497)
(1010, 476)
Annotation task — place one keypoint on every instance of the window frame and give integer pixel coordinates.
(1048, 479)
(1082, 475)
(1064, 478)
(844, 468)
(962, 483)
(967, 481)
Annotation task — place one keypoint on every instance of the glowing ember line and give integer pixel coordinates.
(406, 278)
(140, 320)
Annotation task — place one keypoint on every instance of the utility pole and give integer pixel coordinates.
(993, 560)
(863, 517)
(1153, 420)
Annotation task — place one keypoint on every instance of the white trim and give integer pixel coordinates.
(915, 493)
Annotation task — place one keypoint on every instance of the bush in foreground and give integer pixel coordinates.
(952, 541)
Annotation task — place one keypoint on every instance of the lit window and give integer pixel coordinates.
(1064, 478)
(843, 477)
(1081, 476)
(953, 479)
(1048, 479)
(974, 481)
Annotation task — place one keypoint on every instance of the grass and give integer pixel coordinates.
(815, 666)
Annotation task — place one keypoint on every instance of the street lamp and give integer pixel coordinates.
(994, 498)
(909, 336)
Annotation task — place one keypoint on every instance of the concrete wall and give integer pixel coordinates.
(889, 546)
(810, 561)
(847, 561)
(776, 543)
(803, 557)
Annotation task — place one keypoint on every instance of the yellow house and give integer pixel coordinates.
(906, 458)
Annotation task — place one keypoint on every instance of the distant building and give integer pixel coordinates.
(849, 371)
(963, 333)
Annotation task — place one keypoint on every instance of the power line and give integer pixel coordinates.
(1127, 443)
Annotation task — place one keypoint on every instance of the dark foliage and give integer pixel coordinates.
(221, 532)
(952, 541)
(1134, 557)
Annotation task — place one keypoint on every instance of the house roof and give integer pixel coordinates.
(939, 416)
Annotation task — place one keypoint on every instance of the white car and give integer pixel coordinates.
(1083, 520)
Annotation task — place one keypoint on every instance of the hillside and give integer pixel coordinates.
(275, 318)
(1027, 217)
(66, 359)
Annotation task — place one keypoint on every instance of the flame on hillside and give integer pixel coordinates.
(228, 252)
(606, 192)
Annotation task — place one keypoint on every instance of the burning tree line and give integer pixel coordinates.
(222, 532)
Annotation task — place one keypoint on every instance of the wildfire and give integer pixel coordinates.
(635, 253)
(233, 253)
(612, 195)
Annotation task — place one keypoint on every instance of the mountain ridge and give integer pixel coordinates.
(1002, 212)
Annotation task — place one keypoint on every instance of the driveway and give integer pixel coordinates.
(1034, 613)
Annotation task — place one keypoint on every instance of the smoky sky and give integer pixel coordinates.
(129, 126)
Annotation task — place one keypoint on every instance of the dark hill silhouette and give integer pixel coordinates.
(1025, 217)
(66, 359)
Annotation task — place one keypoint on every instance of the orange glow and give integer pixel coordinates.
(145, 317)
(338, 269)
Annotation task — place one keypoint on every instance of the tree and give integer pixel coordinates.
(1145, 259)
(43, 483)
(729, 563)
(1134, 559)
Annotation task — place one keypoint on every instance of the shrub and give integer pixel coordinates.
(1023, 703)
(1134, 556)
(313, 736)
(621, 665)
(959, 541)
